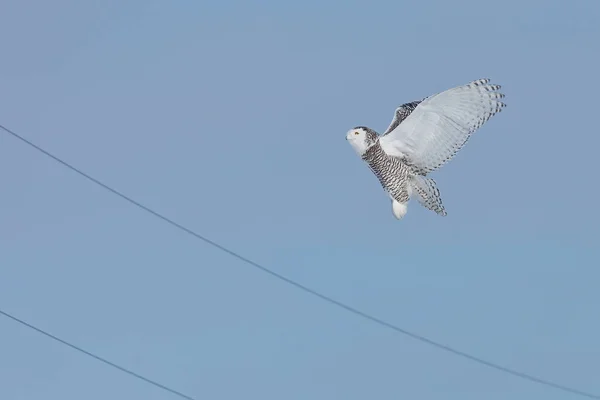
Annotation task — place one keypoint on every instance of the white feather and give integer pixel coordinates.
(399, 209)
(357, 138)
(441, 124)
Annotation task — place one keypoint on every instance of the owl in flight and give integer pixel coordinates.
(423, 136)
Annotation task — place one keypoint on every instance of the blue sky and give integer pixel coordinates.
(230, 117)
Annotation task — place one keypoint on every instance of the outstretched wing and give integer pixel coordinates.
(441, 124)
(400, 115)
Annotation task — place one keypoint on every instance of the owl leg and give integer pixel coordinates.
(399, 209)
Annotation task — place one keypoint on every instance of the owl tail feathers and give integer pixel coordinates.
(427, 194)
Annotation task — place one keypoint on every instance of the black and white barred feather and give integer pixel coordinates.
(391, 172)
(400, 115)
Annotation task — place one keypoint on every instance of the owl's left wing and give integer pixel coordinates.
(441, 124)
(400, 115)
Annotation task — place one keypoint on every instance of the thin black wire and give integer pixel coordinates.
(306, 289)
(103, 360)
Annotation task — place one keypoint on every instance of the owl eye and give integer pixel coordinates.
(356, 132)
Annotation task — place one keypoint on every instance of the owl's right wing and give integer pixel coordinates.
(439, 126)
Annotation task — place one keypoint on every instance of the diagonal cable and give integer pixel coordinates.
(96, 357)
(306, 289)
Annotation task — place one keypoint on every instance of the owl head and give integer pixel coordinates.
(361, 138)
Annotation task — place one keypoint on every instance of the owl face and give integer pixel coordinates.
(361, 138)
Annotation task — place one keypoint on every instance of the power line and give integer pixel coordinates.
(96, 357)
(306, 289)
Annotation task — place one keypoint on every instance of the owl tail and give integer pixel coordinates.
(427, 194)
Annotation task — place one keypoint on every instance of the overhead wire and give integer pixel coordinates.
(96, 357)
(330, 300)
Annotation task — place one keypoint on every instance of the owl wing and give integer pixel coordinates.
(400, 115)
(440, 125)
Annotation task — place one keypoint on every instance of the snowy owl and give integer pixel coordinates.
(423, 136)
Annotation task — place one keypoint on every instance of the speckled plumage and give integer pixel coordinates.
(391, 172)
(401, 113)
(423, 136)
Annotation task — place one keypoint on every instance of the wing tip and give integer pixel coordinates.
(481, 81)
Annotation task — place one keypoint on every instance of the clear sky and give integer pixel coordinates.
(230, 118)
